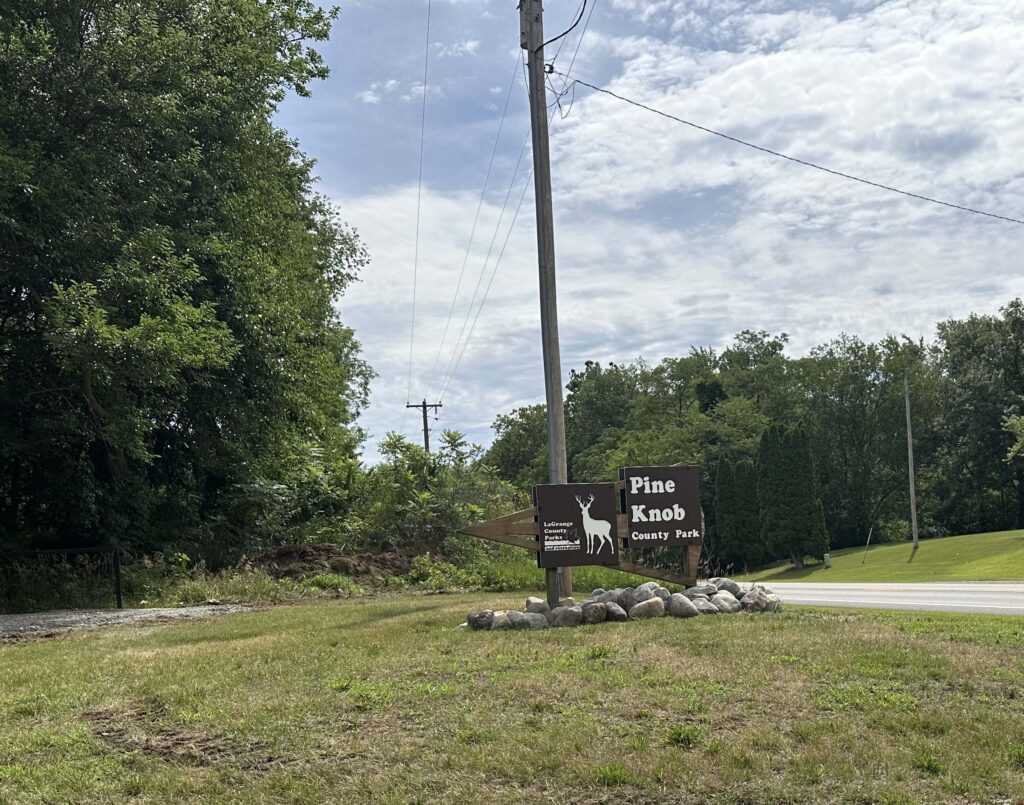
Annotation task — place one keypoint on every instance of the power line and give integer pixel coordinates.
(566, 31)
(446, 377)
(803, 162)
(419, 197)
(450, 372)
(490, 282)
(472, 231)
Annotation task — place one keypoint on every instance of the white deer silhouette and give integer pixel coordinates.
(601, 529)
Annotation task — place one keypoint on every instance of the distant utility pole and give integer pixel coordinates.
(426, 427)
(910, 458)
(531, 39)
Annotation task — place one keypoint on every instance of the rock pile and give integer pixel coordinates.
(649, 600)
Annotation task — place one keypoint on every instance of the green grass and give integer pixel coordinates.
(998, 556)
(387, 701)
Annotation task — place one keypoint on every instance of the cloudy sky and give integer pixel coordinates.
(665, 237)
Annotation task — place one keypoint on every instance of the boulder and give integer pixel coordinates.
(679, 606)
(597, 592)
(723, 583)
(649, 585)
(534, 604)
(707, 590)
(514, 617)
(531, 620)
(609, 596)
(662, 593)
(594, 611)
(501, 622)
(760, 586)
(480, 620)
(755, 600)
(705, 607)
(566, 616)
(567, 602)
(726, 602)
(740, 594)
(628, 598)
(774, 602)
(614, 612)
(653, 607)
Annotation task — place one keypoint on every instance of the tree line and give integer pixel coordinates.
(172, 367)
(833, 420)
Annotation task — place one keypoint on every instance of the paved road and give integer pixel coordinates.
(989, 598)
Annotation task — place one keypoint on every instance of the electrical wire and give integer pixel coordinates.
(453, 368)
(797, 160)
(472, 231)
(419, 199)
(446, 377)
(490, 282)
(565, 32)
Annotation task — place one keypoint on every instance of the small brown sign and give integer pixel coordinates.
(576, 524)
(662, 505)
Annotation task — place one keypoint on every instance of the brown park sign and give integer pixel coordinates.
(576, 524)
(662, 505)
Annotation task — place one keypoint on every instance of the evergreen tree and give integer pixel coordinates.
(746, 515)
(792, 517)
(726, 547)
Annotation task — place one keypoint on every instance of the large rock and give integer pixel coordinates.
(534, 604)
(679, 606)
(649, 585)
(597, 592)
(567, 602)
(480, 620)
(514, 617)
(774, 602)
(726, 602)
(609, 596)
(531, 620)
(756, 600)
(628, 598)
(706, 590)
(759, 585)
(614, 612)
(566, 616)
(662, 593)
(723, 583)
(705, 607)
(594, 611)
(502, 621)
(653, 607)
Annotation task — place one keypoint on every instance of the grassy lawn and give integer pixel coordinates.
(385, 700)
(998, 556)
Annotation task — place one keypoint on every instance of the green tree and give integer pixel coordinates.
(172, 367)
(792, 516)
(519, 452)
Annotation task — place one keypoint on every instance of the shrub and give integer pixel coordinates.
(434, 576)
(613, 774)
(334, 581)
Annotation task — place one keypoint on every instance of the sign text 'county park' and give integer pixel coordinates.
(662, 505)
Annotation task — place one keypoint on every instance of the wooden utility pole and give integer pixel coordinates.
(426, 427)
(910, 459)
(531, 39)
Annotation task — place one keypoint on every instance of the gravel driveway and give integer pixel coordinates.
(50, 624)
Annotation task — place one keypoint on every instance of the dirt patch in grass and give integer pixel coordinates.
(371, 569)
(139, 731)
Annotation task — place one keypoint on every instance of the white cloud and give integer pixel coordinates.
(668, 237)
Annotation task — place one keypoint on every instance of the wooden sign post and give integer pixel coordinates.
(578, 524)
